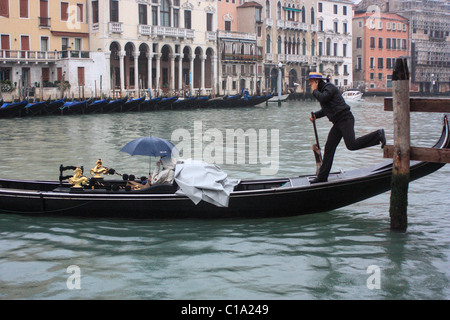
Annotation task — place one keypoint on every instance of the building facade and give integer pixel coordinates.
(379, 39)
(240, 55)
(429, 35)
(43, 44)
(166, 46)
(290, 42)
(334, 39)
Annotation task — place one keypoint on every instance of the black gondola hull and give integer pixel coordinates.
(250, 198)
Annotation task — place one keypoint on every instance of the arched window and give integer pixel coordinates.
(313, 18)
(268, 44)
(267, 9)
(279, 10)
(165, 13)
(328, 47)
(313, 48)
(279, 44)
(304, 47)
(303, 15)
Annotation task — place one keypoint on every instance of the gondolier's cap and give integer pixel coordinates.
(316, 75)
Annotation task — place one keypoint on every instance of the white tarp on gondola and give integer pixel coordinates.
(203, 181)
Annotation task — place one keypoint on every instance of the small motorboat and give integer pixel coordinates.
(352, 95)
(275, 97)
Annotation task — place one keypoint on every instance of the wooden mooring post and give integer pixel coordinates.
(401, 151)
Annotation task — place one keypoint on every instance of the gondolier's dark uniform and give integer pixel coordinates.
(334, 107)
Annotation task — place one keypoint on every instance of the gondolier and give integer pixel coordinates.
(334, 107)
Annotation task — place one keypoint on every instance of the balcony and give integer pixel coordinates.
(269, 57)
(292, 25)
(241, 57)
(26, 57)
(237, 35)
(115, 27)
(211, 36)
(269, 23)
(164, 31)
(144, 30)
(292, 58)
(44, 22)
(332, 59)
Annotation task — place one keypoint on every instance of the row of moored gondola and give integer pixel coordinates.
(63, 107)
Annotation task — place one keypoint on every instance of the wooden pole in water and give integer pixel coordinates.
(400, 171)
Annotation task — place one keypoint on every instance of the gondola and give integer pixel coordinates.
(201, 101)
(132, 104)
(37, 108)
(97, 106)
(183, 103)
(259, 99)
(166, 102)
(15, 109)
(54, 107)
(274, 197)
(149, 104)
(75, 107)
(114, 105)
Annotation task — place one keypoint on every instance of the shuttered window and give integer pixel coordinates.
(45, 74)
(81, 76)
(24, 8)
(64, 11)
(4, 8)
(80, 13)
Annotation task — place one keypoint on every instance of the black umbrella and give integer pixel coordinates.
(150, 146)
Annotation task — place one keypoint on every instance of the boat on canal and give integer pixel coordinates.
(275, 197)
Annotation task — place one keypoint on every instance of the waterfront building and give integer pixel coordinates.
(290, 42)
(334, 39)
(430, 43)
(43, 43)
(240, 53)
(166, 46)
(429, 36)
(379, 38)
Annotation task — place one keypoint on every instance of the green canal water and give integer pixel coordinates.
(348, 253)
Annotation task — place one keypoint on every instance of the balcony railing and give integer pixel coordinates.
(145, 30)
(115, 27)
(237, 35)
(292, 58)
(241, 57)
(292, 25)
(40, 56)
(332, 59)
(173, 32)
(269, 22)
(44, 22)
(211, 36)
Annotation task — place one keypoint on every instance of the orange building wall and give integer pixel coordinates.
(225, 7)
(377, 83)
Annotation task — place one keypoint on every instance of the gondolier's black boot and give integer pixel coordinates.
(382, 138)
(318, 180)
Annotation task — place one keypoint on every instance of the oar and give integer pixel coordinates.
(316, 147)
